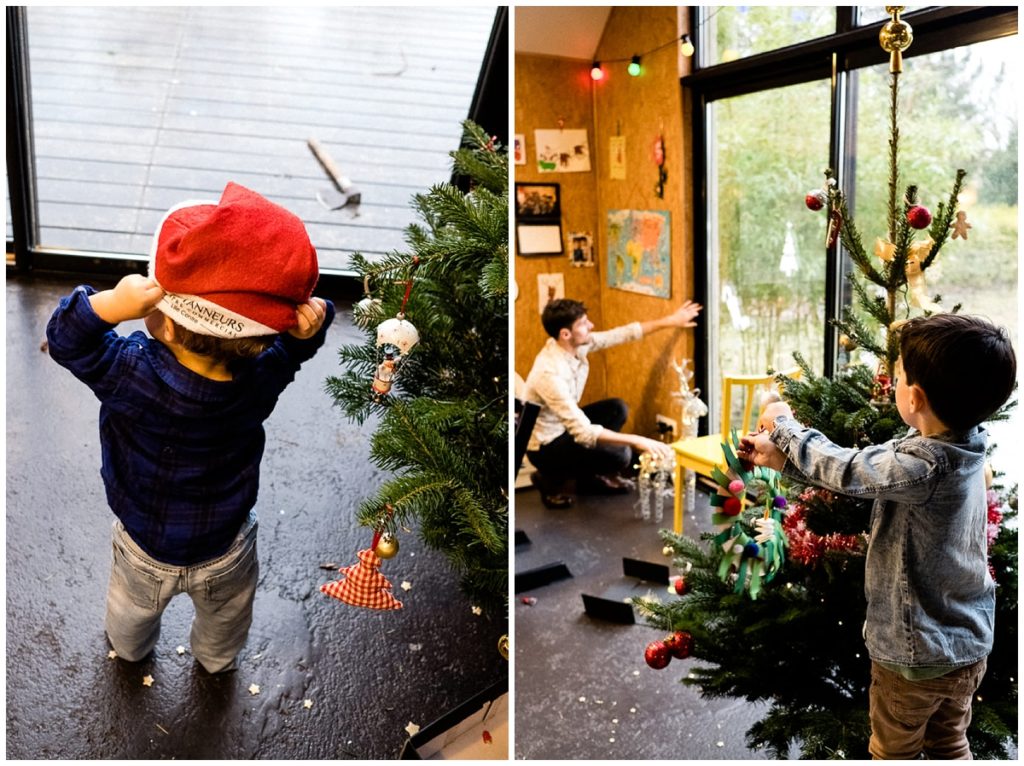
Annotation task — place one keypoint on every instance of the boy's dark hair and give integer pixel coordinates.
(965, 365)
(222, 349)
(559, 313)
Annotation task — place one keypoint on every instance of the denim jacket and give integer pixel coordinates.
(930, 598)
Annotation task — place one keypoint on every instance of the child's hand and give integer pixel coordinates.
(134, 297)
(757, 448)
(310, 315)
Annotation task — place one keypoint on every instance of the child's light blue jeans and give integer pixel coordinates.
(222, 591)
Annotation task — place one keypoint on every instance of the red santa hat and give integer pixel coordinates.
(235, 268)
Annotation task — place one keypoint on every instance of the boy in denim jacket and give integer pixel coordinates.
(930, 598)
(228, 305)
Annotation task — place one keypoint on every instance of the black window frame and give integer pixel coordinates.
(832, 57)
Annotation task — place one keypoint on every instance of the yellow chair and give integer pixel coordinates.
(702, 453)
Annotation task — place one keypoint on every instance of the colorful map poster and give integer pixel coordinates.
(639, 259)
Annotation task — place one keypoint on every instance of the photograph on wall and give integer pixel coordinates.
(639, 257)
(537, 203)
(519, 149)
(581, 249)
(562, 151)
(550, 287)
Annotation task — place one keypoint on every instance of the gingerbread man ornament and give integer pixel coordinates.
(960, 225)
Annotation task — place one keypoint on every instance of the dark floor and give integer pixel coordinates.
(368, 674)
(582, 688)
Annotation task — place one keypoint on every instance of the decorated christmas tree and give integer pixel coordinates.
(433, 373)
(795, 641)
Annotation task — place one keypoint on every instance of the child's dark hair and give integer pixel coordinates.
(222, 349)
(559, 313)
(965, 365)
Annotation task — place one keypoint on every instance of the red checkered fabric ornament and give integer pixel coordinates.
(362, 584)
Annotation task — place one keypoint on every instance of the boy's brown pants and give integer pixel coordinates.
(913, 717)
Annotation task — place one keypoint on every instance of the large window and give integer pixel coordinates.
(767, 261)
(133, 109)
(784, 93)
(959, 110)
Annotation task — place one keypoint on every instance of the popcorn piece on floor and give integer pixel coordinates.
(477, 610)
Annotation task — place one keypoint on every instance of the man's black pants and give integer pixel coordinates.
(563, 459)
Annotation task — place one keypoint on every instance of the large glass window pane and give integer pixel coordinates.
(958, 109)
(738, 31)
(136, 109)
(767, 268)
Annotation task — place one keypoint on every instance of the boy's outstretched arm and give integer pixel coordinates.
(134, 297)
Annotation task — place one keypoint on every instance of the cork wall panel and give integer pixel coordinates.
(642, 108)
(550, 91)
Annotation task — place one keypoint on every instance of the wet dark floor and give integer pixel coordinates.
(583, 689)
(335, 682)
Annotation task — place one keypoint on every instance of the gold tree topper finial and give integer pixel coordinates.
(895, 37)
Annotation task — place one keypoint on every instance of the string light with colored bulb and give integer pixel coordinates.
(634, 67)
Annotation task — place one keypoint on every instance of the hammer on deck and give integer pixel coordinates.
(344, 192)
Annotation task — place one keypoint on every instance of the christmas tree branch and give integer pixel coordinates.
(851, 239)
(943, 219)
(894, 140)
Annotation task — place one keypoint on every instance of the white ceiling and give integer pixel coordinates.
(567, 31)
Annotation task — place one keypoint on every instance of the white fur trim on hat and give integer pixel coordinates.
(196, 313)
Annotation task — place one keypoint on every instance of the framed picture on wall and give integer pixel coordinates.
(538, 203)
(539, 238)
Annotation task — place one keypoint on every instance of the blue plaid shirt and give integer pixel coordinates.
(181, 453)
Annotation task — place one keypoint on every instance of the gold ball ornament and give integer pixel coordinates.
(895, 36)
(848, 343)
(503, 646)
(387, 547)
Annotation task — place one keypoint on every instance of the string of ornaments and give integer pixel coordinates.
(362, 584)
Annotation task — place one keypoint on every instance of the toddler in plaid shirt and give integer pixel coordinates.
(231, 317)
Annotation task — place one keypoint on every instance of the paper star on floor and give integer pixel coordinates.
(147, 680)
(111, 655)
(307, 704)
(254, 689)
(413, 729)
(180, 650)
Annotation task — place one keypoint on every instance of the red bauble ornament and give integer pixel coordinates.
(731, 506)
(919, 217)
(657, 655)
(815, 200)
(680, 644)
(682, 587)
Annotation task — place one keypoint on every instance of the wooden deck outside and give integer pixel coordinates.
(137, 109)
